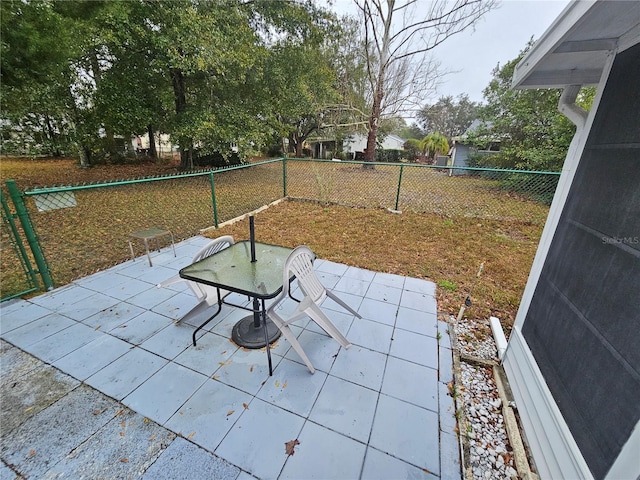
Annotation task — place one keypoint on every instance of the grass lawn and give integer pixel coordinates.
(445, 249)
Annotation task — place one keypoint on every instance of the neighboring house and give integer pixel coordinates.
(462, 149)
(352, 144)
(573, 357)
(141, 143)
(322, 147)
(357, 142)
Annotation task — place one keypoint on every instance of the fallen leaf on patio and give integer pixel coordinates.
(284, 385)
(131, 422)
(230, 412)
(450, 387)
(181, 412)
(123, 423)
(191, 435)
(98, 412)
(427, 471)
(222, 364)
(215, 377)
(124, 460)
(152, 438)
(146, 420)
(119, 412)
(28, 409)
(246, 407)
(32, 452)
(277, 383)
(98, 327)
(290, 446)
(122, 434)
(223, 352)
(251, 368)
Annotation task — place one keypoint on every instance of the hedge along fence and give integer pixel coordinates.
(83, 228)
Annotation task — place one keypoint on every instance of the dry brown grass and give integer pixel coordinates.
(445, 249)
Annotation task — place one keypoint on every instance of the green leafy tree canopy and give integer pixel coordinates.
(532, 133)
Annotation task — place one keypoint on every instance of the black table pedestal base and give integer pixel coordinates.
(246, 334)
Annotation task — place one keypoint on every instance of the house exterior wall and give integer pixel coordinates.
(358, 142)
(573, 361)
(163, 142)
(459, 158)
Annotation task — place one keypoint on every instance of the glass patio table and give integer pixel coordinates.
(252, 269)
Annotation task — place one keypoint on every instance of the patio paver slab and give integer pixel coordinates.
(417, 442)
(341, 456)
(292, 388)
(256, 443)
(183, 459)
(346, 408)
(127, 373)
(209, 414)
(165, 392)
(92, 357)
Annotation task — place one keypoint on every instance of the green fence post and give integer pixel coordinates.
(21, 251)
(30, 234)
(213, 200)
(399, 183)
(284, 177)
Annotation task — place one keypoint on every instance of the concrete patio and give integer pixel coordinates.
(116, 389)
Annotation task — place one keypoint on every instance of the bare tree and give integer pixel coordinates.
(399, 37)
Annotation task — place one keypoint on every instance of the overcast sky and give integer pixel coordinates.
(498, 37)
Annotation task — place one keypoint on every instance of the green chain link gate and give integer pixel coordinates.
(28, 279)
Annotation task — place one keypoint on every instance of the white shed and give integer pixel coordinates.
(573, 358)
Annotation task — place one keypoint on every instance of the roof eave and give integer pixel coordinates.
(574, 49)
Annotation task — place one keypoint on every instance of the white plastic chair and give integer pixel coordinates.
(207, 296)
(300, 264)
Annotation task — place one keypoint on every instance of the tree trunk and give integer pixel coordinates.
(180, 97)
(374, 121)
(85, 157)
(293, 146)
(52, 137)
(153, 153)
(109, 142)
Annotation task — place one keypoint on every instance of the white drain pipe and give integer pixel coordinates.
(498, 336)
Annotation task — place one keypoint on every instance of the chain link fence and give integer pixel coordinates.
(507, 195)
(84, 228)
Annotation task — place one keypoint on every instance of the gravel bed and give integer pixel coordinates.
(490, 454)
(475, 339)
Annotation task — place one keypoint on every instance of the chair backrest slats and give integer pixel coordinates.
(212, 247)
(215, 246)
(300, 264)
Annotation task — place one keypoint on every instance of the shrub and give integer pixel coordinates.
(390, 156)
(217, 159)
